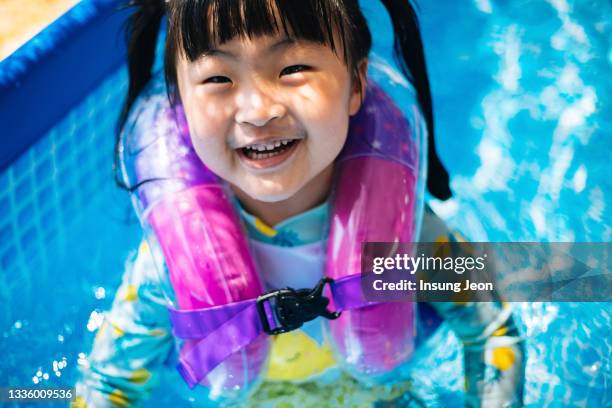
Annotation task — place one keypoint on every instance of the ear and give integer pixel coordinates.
(360, 85)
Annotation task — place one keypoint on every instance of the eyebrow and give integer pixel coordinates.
(281, 44)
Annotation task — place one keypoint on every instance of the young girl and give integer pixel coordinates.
(251, 72)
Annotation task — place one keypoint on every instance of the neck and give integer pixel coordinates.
(314, 193)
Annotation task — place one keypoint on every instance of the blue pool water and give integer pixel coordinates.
(522, 103)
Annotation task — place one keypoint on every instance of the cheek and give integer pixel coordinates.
(328, 123)
(205, 121)
(208, 126)
(209, 142)
(324, 103)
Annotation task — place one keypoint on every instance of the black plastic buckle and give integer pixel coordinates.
(292, 308)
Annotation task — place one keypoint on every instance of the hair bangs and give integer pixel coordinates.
(198, 26)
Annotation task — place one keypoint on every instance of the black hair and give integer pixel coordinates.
(191, 35)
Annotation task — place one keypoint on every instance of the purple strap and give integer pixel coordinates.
(199, 323)
(347, 293)
(225, 330)
(227, 339)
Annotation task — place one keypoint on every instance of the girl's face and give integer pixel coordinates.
(269, 114)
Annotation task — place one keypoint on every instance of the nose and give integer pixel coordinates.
(258, 107)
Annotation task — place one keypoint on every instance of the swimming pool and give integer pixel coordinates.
(523, 116)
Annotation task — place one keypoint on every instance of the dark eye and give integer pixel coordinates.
(294, 69)
(217, 80)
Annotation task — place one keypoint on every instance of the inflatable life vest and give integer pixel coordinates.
(222, 318)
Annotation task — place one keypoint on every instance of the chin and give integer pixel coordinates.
(271, 195)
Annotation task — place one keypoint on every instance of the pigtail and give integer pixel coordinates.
(409, 54)
(141, 31)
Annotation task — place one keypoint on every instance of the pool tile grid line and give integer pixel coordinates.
(42, 191)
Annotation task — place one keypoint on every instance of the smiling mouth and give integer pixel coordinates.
(264, 151)
(264, 155)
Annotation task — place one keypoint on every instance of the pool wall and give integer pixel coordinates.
(58, 110)
(53, 72)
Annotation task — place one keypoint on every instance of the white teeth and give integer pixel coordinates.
(263, 148)
(259, 152)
